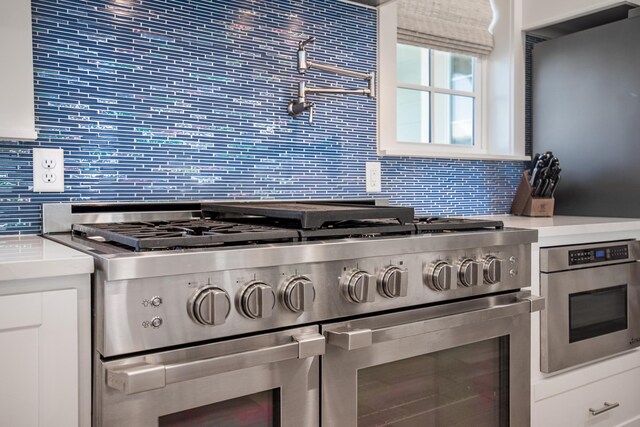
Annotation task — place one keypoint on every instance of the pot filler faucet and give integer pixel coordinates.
(301, 104)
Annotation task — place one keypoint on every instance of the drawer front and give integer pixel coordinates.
(572, 408)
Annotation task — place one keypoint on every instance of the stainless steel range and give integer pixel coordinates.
(224, 313)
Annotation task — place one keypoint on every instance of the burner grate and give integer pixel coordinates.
(203, 232)
(177, 234)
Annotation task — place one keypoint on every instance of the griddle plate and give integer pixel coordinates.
(310, 215)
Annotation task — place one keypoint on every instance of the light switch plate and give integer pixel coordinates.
(373, 173)
(48, 170)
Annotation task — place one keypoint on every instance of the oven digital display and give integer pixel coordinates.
(600, 254)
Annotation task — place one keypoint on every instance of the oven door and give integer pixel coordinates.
(457, 364)
(591, 313)
(262, 381)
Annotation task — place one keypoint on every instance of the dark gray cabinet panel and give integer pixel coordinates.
(586, 109)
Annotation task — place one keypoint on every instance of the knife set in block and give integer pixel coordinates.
(525, 204)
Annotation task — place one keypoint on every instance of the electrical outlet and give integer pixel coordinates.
(48, 163)
(48, 170)
(373, 173)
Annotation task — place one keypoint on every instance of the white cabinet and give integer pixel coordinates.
(39, 359)
(45, 334)
(572, 408)
(17, 119)
(541, 13)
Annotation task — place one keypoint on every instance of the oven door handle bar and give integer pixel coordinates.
(140, 377)
(362, 337)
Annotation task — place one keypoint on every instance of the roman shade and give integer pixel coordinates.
(451, 25)
(17, 118)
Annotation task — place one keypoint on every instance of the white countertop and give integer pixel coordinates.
(560, 225)
(31, 257)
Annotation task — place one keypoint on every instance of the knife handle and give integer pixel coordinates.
(555, 186)
(534, 161)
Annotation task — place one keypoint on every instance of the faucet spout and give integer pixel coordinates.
(303, 43)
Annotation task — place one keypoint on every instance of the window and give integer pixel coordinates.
(434, 103)
(436, 96)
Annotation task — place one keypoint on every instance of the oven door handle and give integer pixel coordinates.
(361, 337)
(140, 377)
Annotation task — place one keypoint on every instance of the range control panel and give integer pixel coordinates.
(593, 255)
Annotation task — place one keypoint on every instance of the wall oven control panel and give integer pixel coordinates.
(561, 258)
(587, 256)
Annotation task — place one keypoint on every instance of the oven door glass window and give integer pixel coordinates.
(597, 312)
(256, 410)
(463, 386)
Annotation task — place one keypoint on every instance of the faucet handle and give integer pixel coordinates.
(311, 107)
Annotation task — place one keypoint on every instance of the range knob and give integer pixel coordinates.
(209, 306)
(257, 300)
(469, 272)
(493, 269)
(393, 282)
(298, 294)
(358, 286)
(440, 276)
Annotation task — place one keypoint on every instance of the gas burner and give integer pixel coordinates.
(187, 233)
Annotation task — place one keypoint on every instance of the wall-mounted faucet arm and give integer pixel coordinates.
(337, 70)
(336, 90)
(304, 64)
(298, 106)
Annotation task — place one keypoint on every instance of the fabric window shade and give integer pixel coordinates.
(460, 26)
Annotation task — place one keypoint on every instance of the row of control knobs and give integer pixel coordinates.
(211, 305)
(441, 276)
(358, 286)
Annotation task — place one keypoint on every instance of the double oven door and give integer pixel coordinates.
(268, 380)
(457, 364)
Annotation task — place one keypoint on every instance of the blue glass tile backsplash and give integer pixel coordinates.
(179, 99)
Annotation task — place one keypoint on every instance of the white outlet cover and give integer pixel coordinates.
(373, 173)
(48, 170)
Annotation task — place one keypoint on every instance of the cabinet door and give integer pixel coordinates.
(39, 359)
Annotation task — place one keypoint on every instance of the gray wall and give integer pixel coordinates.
(586, 109)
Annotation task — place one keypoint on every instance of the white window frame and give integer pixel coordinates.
(499, 130)
(476, 94)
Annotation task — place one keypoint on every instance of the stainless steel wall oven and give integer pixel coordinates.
(592, 293)
(240, 314)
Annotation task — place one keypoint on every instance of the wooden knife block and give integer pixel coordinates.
(525, 204)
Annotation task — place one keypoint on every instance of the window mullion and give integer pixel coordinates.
(431, 100)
